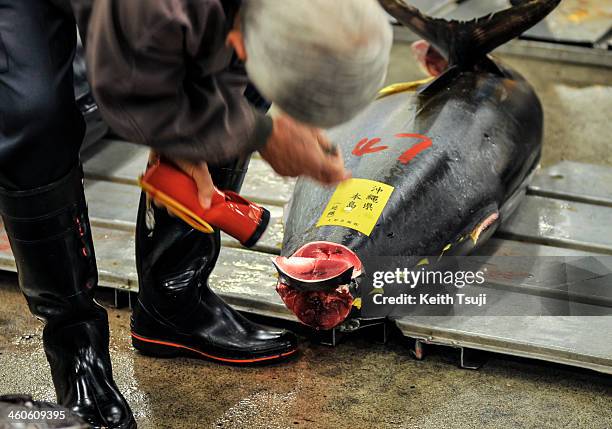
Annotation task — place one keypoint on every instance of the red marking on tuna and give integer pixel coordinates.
(417, 148)
(367, 146)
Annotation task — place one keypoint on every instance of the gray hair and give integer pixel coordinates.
(319, 61)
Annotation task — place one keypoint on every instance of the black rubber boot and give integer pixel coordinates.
(177, 313)
(50, 236)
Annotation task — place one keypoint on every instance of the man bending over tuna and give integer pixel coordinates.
(167, 74)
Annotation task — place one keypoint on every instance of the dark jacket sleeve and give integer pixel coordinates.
(159, 70)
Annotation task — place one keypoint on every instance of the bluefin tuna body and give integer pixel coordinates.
(435, 170)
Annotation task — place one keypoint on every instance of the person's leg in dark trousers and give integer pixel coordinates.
(43, 206)
(177, 312)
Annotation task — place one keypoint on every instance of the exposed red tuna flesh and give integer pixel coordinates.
(331, 251)
(318, 309)
(319, 261)
(312, 269)
(428, 58)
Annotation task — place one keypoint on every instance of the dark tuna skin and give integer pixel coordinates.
(486, 131)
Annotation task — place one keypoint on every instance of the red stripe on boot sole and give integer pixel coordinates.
(180, 346)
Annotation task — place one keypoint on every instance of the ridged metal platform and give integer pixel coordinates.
(578, 31)
(568, 211)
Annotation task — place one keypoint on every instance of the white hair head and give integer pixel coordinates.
(320, 61)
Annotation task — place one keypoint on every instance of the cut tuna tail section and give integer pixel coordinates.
(465, 43)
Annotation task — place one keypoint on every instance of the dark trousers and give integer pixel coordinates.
(41, 128)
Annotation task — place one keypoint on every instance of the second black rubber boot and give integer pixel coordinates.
(177, 313)
(50, 236)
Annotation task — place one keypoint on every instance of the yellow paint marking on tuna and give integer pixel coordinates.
(356, 204)
(402, 87)
(446, 248)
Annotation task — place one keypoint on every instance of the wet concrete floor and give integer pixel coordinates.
(358, 384)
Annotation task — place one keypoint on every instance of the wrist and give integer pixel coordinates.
(263, 131)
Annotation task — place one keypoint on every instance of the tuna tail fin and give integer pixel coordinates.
(465, 43)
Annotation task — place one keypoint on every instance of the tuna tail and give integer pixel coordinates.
(466, 43)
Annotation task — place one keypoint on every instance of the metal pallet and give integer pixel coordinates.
(573, 22)
(576, 215)
(578, 31)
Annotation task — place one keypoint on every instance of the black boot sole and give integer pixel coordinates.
(167, 349)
